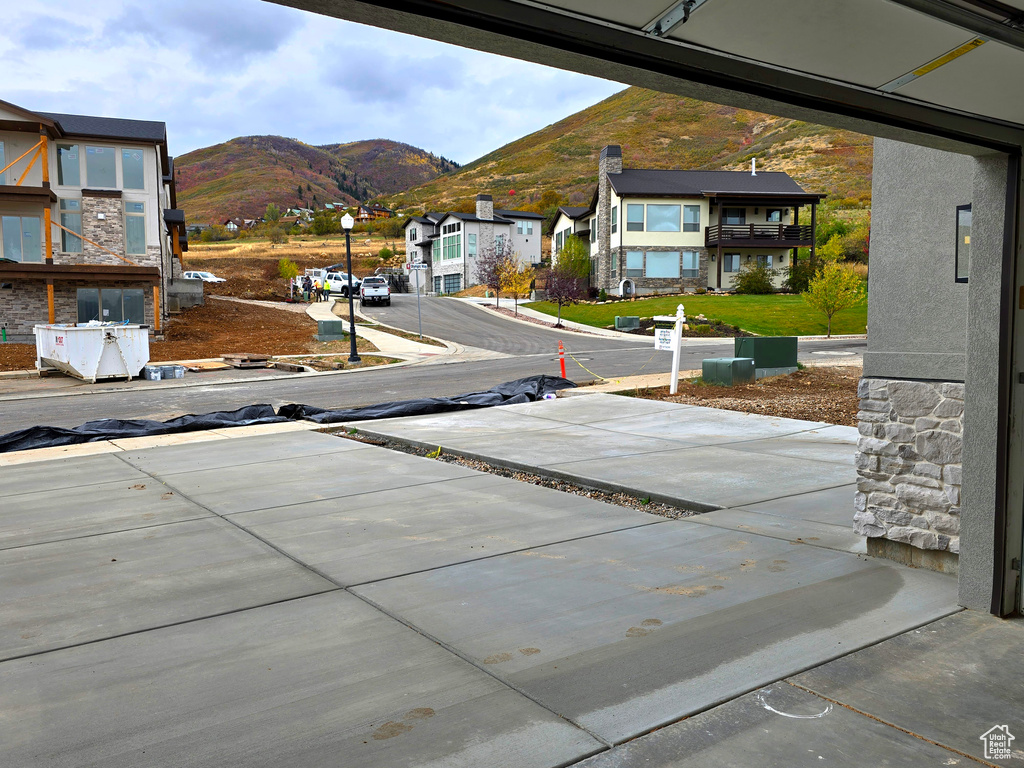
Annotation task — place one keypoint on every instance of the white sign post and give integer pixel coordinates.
(671, 339)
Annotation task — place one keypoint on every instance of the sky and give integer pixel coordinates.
(216, 69)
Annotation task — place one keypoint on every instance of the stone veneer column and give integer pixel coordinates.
(108, 231)
(909, 467)
(485, 241)
(610, 162)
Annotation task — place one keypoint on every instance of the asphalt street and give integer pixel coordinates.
(537, 353)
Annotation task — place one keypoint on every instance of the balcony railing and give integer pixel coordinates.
(788, 235)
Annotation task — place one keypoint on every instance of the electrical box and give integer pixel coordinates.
(727, 371)
(773, 355)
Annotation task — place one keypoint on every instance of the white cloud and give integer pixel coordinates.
(226, 68)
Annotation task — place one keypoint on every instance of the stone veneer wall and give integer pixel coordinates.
(660, 284)
(24, 304)
(909, 463)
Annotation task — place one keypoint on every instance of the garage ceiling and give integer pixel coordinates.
(949, 67)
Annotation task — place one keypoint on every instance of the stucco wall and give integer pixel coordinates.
(917, 314)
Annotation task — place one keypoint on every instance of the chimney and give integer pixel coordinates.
(753, 166)
(484, 207)
(611, 159)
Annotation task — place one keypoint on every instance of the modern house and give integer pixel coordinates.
(451, 242)
(668, 231)
(571, 220)
(89, 228)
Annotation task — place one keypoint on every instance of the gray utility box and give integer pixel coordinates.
(773, 355)
(627, 323)
(726, 371)
(331, 330)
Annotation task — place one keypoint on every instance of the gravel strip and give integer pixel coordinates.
(617, 499)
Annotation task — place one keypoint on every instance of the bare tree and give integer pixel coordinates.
(568, 280)
(495, 266)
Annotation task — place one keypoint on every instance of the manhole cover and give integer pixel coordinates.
(833, 353)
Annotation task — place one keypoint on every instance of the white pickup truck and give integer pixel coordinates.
(375, 290)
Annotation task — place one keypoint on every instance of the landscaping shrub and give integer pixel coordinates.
(703, 329)
(602, 295)
(755, 279)
(798, 275)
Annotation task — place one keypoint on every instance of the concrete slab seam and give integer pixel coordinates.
(156, 627)
(746, 504)
(229, 466)
(877, 719)
(105, 533)
(469, 660)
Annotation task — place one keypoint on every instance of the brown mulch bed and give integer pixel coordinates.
(218, 328)
(696, 329)
(821, 393)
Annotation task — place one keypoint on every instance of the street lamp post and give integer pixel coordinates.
(347, 222)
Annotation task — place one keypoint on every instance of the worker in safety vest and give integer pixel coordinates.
(327, 289)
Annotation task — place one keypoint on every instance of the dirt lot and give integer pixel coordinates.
(217, 328)
(250, 267)
(813, 394)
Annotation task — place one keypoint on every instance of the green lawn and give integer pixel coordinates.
(782, 315)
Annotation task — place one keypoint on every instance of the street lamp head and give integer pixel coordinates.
(347, 222)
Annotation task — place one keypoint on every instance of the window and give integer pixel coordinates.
(773, 215)
(524, 227)
(114, 305)
(593, 230)
(499, 243)
(452, 283)
(634, 217)
(71, 218)
(558, 241)
(962, 261)
(734, 216)
(99, 167)
(437, 283)
(132, 174)
(691, 218)
(471, 244)
(19, 238)
(764, 261)
(435, 252)
(691, 264)
(662, 263)
(634, 263)
(615, 263)
(412, 234)
(663, 218)
(529, 227)
(135, 229)
(451, 247)
(731, 262)
(615, 219)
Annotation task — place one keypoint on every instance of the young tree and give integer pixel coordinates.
(272, 214)
(520, 278)
(494, 267)
(568, 279)
(834, 289)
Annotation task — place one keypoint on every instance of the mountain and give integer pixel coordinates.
(558, 164)
(240, 177)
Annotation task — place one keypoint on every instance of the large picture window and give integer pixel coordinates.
(662, 263)
(132, 174)
(634, 264)
(634, 217)
(691, 218)
(100, 167)
(71, 219)
(19, 239)
(963, 243)
(691, 264)
(731, 262)
(114, 305)
(69, 167)
(135, 229)
(663, 218)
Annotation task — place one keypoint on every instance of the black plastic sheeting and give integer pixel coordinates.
(510, 393)
(112, 429)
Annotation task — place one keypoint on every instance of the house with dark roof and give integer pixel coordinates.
(450, 243)
(669, 231)
(376, 211)
(89, 225)
(570, 220)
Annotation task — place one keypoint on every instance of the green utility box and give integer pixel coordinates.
(627, 323)
(773, 355)
(726, 371)
(331, 330)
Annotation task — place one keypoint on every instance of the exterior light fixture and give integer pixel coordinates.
(962, 251)
(347, 222)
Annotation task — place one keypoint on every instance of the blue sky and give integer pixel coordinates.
(216, 69)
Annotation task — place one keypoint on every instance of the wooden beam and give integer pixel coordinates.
(28, 167)
(45, 150)
(156, 308)
(49, 302)
(48, 238)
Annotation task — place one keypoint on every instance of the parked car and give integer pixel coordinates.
(375, 290)
(339, 283)
(206, 277)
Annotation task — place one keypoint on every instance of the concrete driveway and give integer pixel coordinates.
(304, 599)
